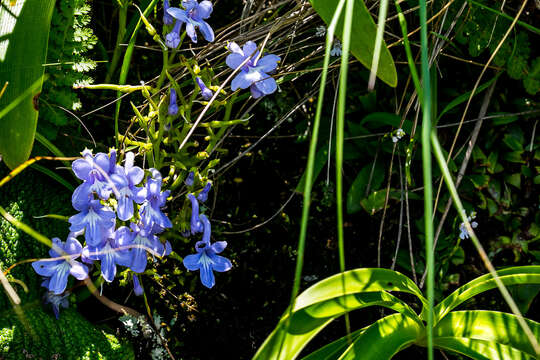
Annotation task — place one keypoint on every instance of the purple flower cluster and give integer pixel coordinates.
(138, 203)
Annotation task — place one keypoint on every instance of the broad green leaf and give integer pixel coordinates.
(480, 349)
(374, 202)
(24, 33)
(511, 276)
(317, 306)
(364, 31)
(493, 326)
(290, 337)
(384, 338)
(334, 350)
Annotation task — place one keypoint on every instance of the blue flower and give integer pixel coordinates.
(190, 179)
(113, 252)
(142, 241)
(336, 48)
(96, 220)
(167, 19)
(56, 302)
(206, 92)
(194, 15)
(464, 234)
(94, 171)
(150, 211)
(172, 39)
(137, 288)
(254, 74)
(58, 270)
(173, 107)
(196, 224)
(203, 195)
(125, 179)
(206, 259)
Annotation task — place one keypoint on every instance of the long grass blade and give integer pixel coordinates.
(383, 10)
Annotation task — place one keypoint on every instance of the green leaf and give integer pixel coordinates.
(357, 191)
(334, 350)
(492, 326)
(24, 28)
(316, 307)
(480, 349)
(363, 41)
(510, 276)
(384, 338)
(374, 202)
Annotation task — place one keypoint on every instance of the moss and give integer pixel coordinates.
(28, 195)
(37, 334)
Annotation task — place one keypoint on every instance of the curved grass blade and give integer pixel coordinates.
(334, 350)
(480, 349)
(511, 276)
(24, 34)
(492, 326)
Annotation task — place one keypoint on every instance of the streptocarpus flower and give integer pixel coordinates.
(336, 48)
(172, 39)
(173, 107)
(137, 288)
(464, 234)
(96, 220)
(142, 241)
(56, 302)
(150, 211)
(113, 252)
(205, 92)
(58, 270)
(125, 179)
(206, 259)
(190, 179)
(93, 170)
(194, 16)
(254, 74)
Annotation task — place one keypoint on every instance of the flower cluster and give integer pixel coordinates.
(109, 195)
(464, 234)
(397, 135)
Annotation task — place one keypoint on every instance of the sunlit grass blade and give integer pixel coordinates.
(383, 9)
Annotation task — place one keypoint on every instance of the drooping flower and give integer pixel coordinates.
(172, 39)
(56, 302)
(167, 18)
(173, 107)
(254, 74)
(125, 179)
(195, 223)
(464, 234)
(96, 220)
(336, 48)
(203, 195)
(205, 92)
(194, 15)
(94, 171)
(113, 252)
(58, 270)
(190, 179)
(137, 288)
(206, 259)
(150, 211)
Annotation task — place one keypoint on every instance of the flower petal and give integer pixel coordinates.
(235, 49)
(78, 270)
(206, 30)
(219, 246)
(243, 80)
(255, 92)
(266, 86)
(192, 262)
(234, 60)
(207, 276)
(125, 208)
(81, 168)
(190, 29)
(249, 48)
(102, 162)
(73, 246)
(220, 263)
(135, 175)
(178, 14)
(268, 63)
(46, 268)
(205, 9)
(58, 281)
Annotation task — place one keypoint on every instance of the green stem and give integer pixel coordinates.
(427, 175)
